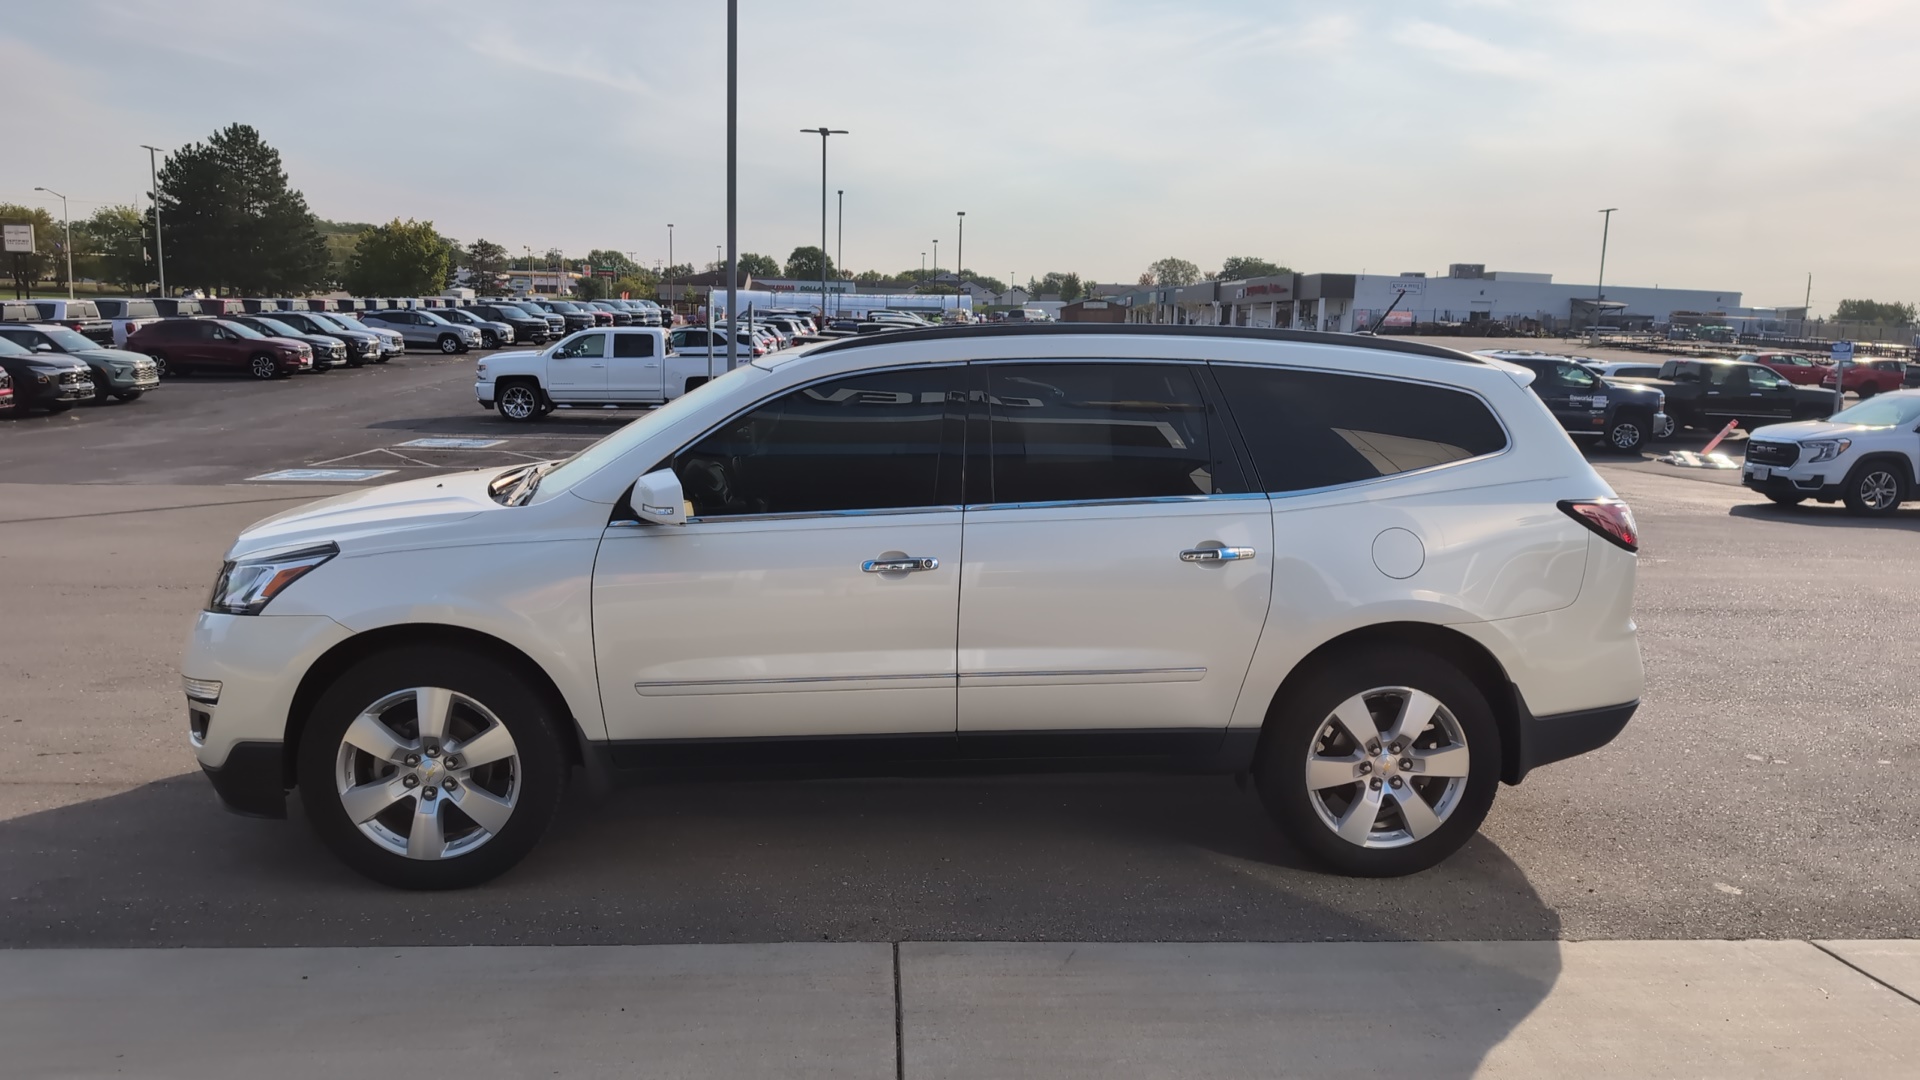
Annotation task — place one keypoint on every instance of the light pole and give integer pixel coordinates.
(733, 127)
(936, 257)
(1606, 225)
(159, 253)
(839, 239)
(960, 255)
(67, 226)
(823, 131)
(923, 267)
(670, 266)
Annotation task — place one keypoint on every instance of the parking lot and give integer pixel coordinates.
(1764, 790)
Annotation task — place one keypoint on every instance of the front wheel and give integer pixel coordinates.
(519, 402)
(159, 363)
(263, 367)
(1384, 763)
(431, 768)
(1874, 489)
(449, 344)
(129, 395)
(489, 339)
(1628, 433)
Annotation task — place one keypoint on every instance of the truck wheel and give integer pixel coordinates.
(1628, 433)
(1874, 489)
(519, 401)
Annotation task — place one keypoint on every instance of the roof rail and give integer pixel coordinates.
(1305, 337)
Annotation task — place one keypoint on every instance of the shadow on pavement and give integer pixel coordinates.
(1831, 517)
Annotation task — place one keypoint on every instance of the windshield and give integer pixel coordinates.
(68, 341)
(275, 327)
(8, 348)
(324, 322)
(1881, 412)
(348, 321)
(243, 330)
(432, 317)
(589, 461)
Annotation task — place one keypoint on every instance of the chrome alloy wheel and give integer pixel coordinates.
(1626, 435)
(263, 367)
(1387, 768)
(518, 402)
(1879, 489)
(428, 773)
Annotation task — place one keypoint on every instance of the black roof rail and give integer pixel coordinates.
(1305, 337)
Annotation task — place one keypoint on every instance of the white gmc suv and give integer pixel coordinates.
(1866, 456)
(1375, 575)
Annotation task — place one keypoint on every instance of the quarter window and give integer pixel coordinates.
(1314, 429)
(1077, 432)
(627, 345)
(868, 442)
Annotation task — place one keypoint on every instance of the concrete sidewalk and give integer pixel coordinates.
(1475, 1009)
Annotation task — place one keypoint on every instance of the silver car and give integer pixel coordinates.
(493, 333)
(425, 329)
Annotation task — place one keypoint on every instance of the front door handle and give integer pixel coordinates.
(1216, 554)
(904, 564)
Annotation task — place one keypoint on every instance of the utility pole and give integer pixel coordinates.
(1806, 312)
(960, 257)
(159, 253)
(839, 240)
(66, 225)
(670, 265)
(1606, 224)
(823, 131)
(936, 256)
(733, 140)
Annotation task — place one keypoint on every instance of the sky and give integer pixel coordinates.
(1746, 143)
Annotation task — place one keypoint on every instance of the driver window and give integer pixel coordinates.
(592, 346)
(1574, 376)
(866, 442)
(1762, 379)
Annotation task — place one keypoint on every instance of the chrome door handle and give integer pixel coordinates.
(1219, 554)
(906, 564)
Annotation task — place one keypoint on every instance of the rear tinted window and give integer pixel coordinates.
(1314, 429)
(633, 345)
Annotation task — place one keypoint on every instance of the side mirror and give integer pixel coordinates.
(43, 347)
(657, 498)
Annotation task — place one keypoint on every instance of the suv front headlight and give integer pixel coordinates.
(246, 586)
(1827, 449)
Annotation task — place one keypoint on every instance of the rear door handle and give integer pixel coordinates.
(1216, 554)
(905, 564)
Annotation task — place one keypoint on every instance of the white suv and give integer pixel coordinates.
(1866, 456)
(1373, 574)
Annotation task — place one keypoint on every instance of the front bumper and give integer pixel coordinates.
(1796, 482)
(483, 392)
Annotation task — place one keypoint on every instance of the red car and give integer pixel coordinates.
(180, 345)
(1870, 377)
(6, 392)
(1797, 369)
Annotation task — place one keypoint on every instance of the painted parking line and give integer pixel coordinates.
(334, 476)
(452, 444)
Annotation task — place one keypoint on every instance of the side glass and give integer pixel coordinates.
(586, 345)
(874, 441)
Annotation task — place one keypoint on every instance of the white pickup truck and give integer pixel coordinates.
(629, 366)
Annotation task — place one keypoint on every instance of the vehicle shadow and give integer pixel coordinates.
(595, 422)
(1829, 517)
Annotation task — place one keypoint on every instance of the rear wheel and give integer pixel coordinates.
(1383, 763)
(1629, 433)
(429, 767)
(1875, 489)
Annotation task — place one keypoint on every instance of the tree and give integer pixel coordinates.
(486, 261)
(1248, 266)
(605, 259)
(456, 258)
(1146, 279)
(29, 267)
(400, 258)
(111, 246)
(1068, 286)
(233, 224)
(868, 277)
(759, 265)
(1875, 311)
(806, 264)
(1174, 272)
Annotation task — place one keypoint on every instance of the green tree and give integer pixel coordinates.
(1173, 272)
(1067, 285)
(1240, 267)
(456, 258)
(486, 261)
(759, 265)
(868, 277)
(1873, 311)
(400, 258)
(232, 222)
(806, 262)
(616, 261)
(29, 267)
(111, 246)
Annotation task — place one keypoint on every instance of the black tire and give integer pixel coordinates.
(1867, 391)
(1785, 500)
(1295, 727)
(1629, 432)
(489, 339)
(58, 406)
(129, 395)
(383, 359)
(449, 344)
(101, 391)
(520, 401)
(1875, 488)
(528, 717)
(263, 367)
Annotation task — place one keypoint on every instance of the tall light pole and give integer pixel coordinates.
(1606, 224)
(670, 265)
(936, 256)
(960, 256)
(159, 253)
(733, 113)
(839, 239)
(823, 131)
(66, 225)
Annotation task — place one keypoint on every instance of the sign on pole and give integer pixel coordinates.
(1842, 351)
(19, 238)
(1842, 359)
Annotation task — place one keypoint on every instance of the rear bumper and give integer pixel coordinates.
(1543, 740)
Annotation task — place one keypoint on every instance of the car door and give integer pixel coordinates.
(222, 348)
(577, 368)
(1117, 565)
(633, 371)
(814, 587)
(1769, 394)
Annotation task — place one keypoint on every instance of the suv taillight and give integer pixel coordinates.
(1610, 518)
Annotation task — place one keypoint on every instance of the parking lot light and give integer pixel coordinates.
(66, 224)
